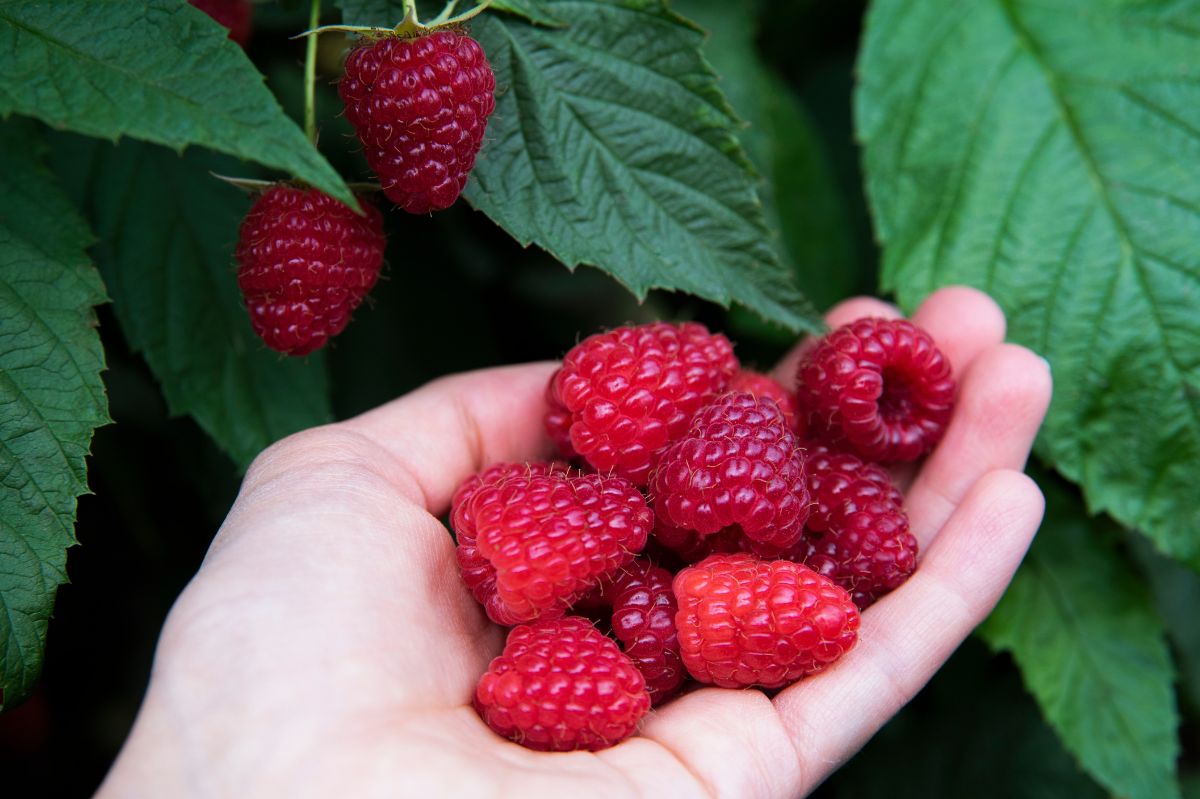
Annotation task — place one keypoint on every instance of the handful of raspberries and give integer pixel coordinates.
(717, 525)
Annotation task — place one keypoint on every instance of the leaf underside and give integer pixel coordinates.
(1092, 650)
(1049, 153)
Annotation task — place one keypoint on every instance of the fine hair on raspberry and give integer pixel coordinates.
(420, 107)
(305, 262)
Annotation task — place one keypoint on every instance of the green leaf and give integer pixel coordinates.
(804, 208)
(1048, 151)
(51, 396)
(388, 13)
(167, 230)
(1092, 650)
(531, 10)
(159, 70)
(612, 146)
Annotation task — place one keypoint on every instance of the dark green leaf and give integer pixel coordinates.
(1092, 651)
(51, 396)
(804, 209)
(1048, 151)
(167, 229)
(162, 71)
(612, 146)
(372, 13)
(531, 10)
(388, 13)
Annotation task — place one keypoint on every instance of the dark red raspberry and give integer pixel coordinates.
(236, 15)
(643, 620)
(744, 621)
(561, 685)
(533, 538)
(420, 107)
(858, 533)
(693, 547)
(623, 396)
(739, 464)
(306, 261)
(761, 385)
(880, 384)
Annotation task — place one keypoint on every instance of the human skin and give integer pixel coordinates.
(327, 646)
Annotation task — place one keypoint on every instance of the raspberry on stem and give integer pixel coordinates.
(305, 262)
(560, 685)
(420, 107)
(881, 385)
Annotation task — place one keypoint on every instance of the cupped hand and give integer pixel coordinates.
(327, 646)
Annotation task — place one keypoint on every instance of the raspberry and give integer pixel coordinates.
(630, 392)
(858, 533)
(739, 464)
(533, 538)
(236, 15)
(643, 620)
(761, 385)
(880, 384)
(560, 685)
(692, 547)
(306, 261)
(420, 107)
(743, 621)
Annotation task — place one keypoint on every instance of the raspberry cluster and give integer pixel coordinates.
(718, 526)
(420, 105)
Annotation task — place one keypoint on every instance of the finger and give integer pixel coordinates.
(731, 742)
(842, 313)
(1002, 401)
(963, 321)
(908, 634)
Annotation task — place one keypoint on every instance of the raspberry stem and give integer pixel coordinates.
(310, 74)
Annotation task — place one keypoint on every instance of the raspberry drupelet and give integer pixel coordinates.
(623, 396)
(305, 262)
(881, 385)
(420, 107)
(745, 621)
(560, 685)
(738, 465)
(534, 538)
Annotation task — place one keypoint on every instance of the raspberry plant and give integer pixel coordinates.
(1045, 152)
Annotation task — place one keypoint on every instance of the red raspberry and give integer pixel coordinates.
(533, 538)
(880, 384)
(643, 620)
(237, 15)
(743, 621)
(761, 385)
(858, 533)
(306, 261)
(561, 685)
(739, 464)
(693, 547)
(630, 392)
(420, 107)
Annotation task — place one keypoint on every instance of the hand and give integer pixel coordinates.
(327, 646)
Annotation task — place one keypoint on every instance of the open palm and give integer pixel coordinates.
(327, 646)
